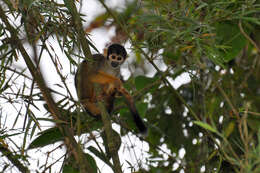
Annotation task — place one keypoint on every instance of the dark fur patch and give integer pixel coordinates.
(118, 49)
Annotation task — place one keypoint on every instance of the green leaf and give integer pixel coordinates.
(249, 19)
(171, 55)
(229, 35)
(254, 122)
(26, 3)
(51, 120)
(100, 155)
(229, 129)
(142, 108)
(151, 19)
(71, 165)
(91, 161)
(6, 135)
(142, 81)
(215, 55)
(46, 137)
(69, 169)
(205, 126)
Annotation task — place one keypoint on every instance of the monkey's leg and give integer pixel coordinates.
(110, 89)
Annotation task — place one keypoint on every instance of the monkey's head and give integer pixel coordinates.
(116, 55)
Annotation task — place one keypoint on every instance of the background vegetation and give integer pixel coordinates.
(213, 118)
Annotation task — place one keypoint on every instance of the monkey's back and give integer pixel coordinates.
(85, 89)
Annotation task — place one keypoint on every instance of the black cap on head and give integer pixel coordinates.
(118, 49)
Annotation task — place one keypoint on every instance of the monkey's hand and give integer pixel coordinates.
(111, 84)
(113, 87)
(90, 106)
(118, 84)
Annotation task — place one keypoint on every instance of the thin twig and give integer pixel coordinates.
(247, 37)
(228, 101)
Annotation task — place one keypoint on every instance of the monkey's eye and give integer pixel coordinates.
(119, 58)
(113, 57)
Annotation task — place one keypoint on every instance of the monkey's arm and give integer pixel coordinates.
(103, 78)
(112, 83)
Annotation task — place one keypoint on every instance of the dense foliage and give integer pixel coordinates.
(213, 117)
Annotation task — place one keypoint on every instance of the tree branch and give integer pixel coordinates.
(247, 37)
(7, 153)
(112, 145)
(79, 28)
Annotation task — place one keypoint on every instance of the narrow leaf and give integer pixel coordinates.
(100, 155)
(205, 126)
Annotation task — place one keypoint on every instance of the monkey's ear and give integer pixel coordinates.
(126, 56)
(105, 52)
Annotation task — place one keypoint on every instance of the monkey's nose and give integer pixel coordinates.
(114, 64)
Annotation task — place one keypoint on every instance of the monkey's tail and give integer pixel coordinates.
(137, 119)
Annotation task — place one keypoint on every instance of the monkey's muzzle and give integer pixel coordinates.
(114, 64)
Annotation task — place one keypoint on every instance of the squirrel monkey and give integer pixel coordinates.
(104, 71)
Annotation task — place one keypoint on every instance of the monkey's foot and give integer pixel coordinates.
(100, 98)
(91, 107)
